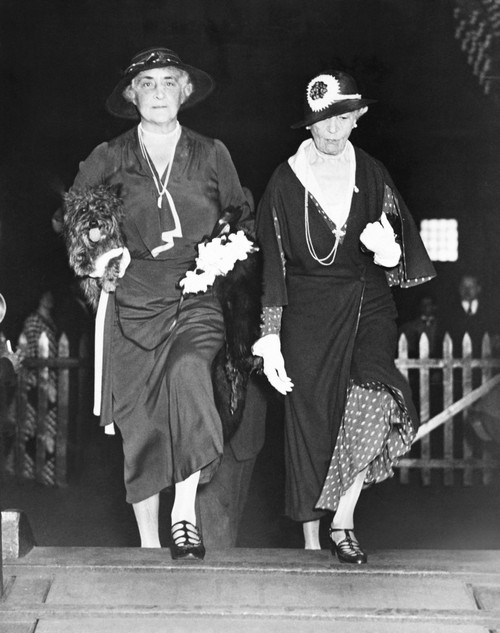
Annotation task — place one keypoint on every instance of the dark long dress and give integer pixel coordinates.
(338, 322)
(156, 380)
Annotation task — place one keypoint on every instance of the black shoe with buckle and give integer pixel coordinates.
(186, 541)
(348, 550)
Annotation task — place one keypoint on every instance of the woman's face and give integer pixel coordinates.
(158, 93)
(330, 135)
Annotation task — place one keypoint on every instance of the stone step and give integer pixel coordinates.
(78, 590)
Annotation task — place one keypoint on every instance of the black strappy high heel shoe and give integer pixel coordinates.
(186, 541)
(348, 550)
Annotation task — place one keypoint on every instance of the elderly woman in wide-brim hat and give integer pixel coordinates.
(335, 234)
(157, 353)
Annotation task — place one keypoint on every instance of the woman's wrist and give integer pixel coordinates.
(270, 320)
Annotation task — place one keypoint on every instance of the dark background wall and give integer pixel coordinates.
(433, 126)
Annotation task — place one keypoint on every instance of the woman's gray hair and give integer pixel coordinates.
(129, 92)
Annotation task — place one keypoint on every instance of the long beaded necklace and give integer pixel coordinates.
(338, 232)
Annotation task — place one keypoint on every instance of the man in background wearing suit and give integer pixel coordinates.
(470, 314)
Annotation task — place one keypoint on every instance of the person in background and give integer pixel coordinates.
(40, 321)
(222, 501)
(38, 338)
(425, 323)
(10, 365)
(468, 313)
(10, 362)
(329, 226)
(157, 350)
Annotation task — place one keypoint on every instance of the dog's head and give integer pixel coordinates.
(93, 215)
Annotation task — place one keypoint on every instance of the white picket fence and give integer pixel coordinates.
(445, 389)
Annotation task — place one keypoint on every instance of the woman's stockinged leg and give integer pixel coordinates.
(186, 537)
(147, 511)
(184, 508)
(343, 519)
(311, 534)
(146, 515)
(342, 539)
(344, 515)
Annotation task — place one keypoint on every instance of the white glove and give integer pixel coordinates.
(103, 260)
(379, 238)
(16, 358)
(269, 348)
(124, 262)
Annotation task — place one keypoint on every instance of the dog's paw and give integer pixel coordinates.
(109, 279)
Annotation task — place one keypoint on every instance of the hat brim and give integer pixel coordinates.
(340, 107)
(118, 106)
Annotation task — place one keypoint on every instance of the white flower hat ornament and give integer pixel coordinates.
(329, 94)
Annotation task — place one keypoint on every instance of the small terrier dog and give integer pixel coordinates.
(92, 227)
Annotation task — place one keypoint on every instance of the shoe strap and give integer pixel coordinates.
(185, 533)
(347, 542)
(346, 530)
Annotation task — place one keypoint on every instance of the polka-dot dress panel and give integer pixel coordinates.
(375, 432)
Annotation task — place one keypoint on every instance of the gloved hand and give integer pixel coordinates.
(103, 260)
(269, 348)
(16, 358)
(124, 262)
(379, 238)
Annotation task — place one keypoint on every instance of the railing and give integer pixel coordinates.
(48, 412)
(445, 388)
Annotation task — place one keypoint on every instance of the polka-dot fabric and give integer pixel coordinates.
(396, 276)
(271, 320)
(375, 432)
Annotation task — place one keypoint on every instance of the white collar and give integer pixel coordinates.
(301, 161)
(316, 156)
(308, 154)
(474, 305)
(159, 135)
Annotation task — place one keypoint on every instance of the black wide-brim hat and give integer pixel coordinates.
(157, 57)
(328, 94)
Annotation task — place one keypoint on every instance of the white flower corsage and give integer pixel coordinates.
(216, 257)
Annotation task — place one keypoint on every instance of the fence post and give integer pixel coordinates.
(486, 374)
(466, 388)
(404, 472)
(425, 444)
(448, 430)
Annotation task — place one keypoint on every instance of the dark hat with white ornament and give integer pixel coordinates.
(328, 94)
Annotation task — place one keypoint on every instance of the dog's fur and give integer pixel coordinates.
(239, 293)
(93, 212)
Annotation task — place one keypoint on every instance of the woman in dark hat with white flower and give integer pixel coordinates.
(335, 234)
(156, 387)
